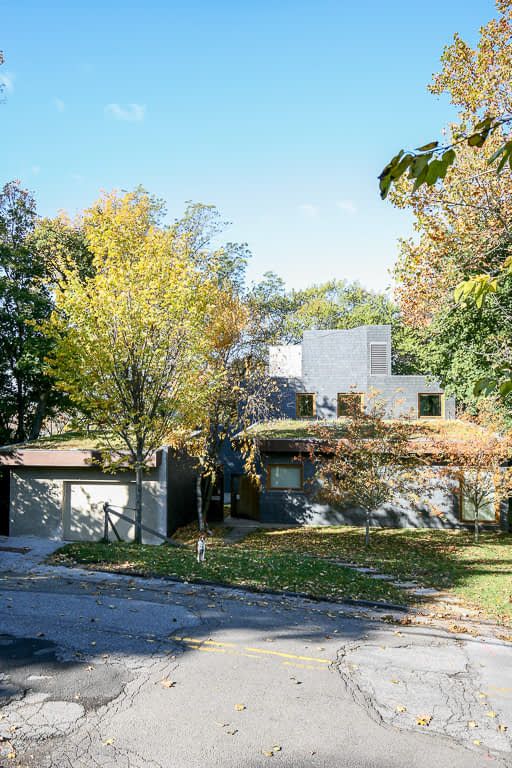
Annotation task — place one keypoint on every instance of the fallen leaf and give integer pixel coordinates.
(232, 733)
(394, 681)
(472, 724)
(39, 634)
(491, 714)
(268, 753)
(276, 749)
(423, 719)
(240, 707)
(477, 742)
(502, 727)
(93, 642)
(89, 669)
(167, 683)
(223, 725)
(13, 728)
(108, 742)
(401, 709)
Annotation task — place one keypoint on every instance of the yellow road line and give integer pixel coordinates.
(288, 655)
(302, 666)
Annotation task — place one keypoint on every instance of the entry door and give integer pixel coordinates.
(83, 510)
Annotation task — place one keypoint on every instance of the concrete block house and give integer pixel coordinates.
(316, 379)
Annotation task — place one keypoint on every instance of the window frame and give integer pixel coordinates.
(480, 521)
(430, 394)
(307, 394)
(360, 395)
(270, 487)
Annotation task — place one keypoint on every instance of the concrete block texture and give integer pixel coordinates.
(333, 362)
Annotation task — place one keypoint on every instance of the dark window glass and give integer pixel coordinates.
(430, 405)
(305, 406)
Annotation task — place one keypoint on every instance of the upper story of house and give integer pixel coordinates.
(329, 365)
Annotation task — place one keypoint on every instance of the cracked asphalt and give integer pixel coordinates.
(120, 672)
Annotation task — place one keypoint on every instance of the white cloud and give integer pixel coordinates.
(346, 205)
(133, 113)
(308, 209)
(59, 104)
(7, 80)
(36, 169)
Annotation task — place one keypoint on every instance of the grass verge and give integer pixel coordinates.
(298, 560)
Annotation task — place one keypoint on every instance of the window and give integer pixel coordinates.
(378, 359)
(284, 477)
(349, 402)
(305, 406)
(430, 406)
(488, 513)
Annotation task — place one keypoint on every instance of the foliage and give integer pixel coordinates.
(370, 466)
(463, 248)
(475, 459)
(27, 392)
(131, 335)
(478, 81)
(331, 305)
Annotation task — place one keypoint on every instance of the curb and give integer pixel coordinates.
(252, 590)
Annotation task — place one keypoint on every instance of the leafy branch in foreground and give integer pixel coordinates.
(429, 163)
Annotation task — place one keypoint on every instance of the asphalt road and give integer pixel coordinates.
(131, 673)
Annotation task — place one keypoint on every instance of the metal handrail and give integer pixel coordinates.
(107, 509)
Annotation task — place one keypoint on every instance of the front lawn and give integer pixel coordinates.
(298, 560)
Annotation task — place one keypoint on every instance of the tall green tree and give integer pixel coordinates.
(25, 300)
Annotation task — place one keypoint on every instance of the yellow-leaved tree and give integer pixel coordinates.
(133, 333)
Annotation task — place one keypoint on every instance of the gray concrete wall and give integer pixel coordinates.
(40, 501)
(302, 507)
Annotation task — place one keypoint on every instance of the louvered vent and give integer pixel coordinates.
(378, 359)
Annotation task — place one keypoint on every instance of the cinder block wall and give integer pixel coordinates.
(334, 361)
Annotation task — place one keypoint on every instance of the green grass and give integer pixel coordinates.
(296, 429)
(297, 560)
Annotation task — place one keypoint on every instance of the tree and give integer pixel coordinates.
(243, 393)
(367, 463)
(478, 81)
(132, 343)
(476, 451)
(27, 393)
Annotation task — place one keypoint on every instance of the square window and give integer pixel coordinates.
(305, 406)
(349, 403)
(430, 405)
(284, 476)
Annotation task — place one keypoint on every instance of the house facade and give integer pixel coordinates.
(317, 377)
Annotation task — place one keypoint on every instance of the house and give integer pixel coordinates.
(319, 376)
(317, 379)
(53, 488)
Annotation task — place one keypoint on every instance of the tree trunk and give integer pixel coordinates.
(367, 538)
(476, 526)
(199, 503)
(37, 421)
(207, 499)
(20, 408)
(138, 500)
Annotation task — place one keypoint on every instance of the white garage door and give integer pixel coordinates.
(83, 513)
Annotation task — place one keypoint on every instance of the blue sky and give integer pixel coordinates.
(280, 112)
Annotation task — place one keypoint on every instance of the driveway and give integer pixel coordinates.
(102, 670)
